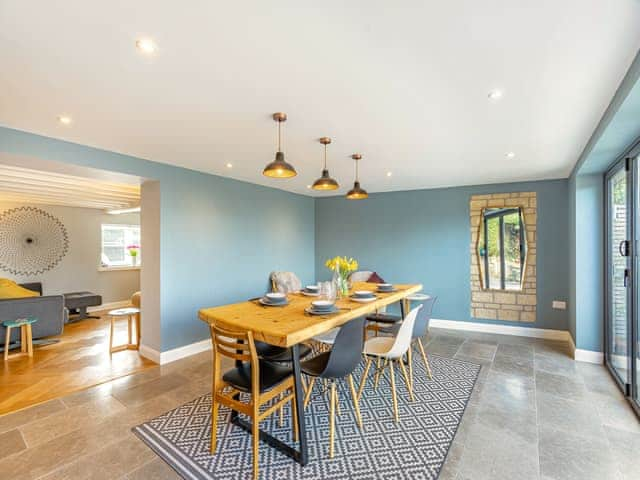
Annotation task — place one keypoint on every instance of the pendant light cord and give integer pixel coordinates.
(279, 123)
(325, 156)
(356, 170)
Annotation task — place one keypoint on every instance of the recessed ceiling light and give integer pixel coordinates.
(229, 165)
(309, 186)
(389, 174)
(495, 94)
(511, 155)
(64, 119)
(146, 46)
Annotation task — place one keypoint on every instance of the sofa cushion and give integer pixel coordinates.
(10, 289)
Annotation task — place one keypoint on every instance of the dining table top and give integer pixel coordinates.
(290, 324)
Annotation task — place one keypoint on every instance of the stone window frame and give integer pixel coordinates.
(506, 305)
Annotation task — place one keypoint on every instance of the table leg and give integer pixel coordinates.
(6, 343)
(302, 432)
(23, 338)
(402, 308)
(138, 336)
(29, 340)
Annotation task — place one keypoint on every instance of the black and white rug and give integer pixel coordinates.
(415, 448)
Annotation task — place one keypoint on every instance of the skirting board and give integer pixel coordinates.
(501, 329)
(579, 355)
(176, 354)
(587, 356)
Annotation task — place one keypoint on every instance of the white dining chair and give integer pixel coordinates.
(389, 351)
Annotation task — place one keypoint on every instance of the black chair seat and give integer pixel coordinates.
(279, 354)
(316, 365)
(384, 318)
(271, 374)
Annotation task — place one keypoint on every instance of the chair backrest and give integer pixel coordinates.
(404, 336)
(236, 346)
(421, 325)
(346, 352)
(360, 276)
(285, 282)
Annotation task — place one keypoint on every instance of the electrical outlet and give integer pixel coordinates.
(559, 305)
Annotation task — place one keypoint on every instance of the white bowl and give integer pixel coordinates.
(385, 285)
(362, 293)
(275, 296)
(322, 304)
(312, 288)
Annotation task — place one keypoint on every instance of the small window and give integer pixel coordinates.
(120, 245)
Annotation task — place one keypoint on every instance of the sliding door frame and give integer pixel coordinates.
(623, 164)
(631, 160)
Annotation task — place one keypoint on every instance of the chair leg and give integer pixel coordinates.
(379, 372)
(332, 419)
(354, 397)
(410, 360)
(255, 437)
(281, 420)
(406, 378)
(214, 423)
(6, 343)
(363, 380)
(393, 392)
(338, 411)
(424, 358)
(129, 327)
(307, 396)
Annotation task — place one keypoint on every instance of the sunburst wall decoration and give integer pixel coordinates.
(31, 241)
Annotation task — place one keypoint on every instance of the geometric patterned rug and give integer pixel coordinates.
(415, 448)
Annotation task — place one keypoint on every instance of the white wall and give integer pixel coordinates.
(78, 270)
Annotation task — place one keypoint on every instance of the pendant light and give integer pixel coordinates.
(357, 193)
(325, 182)
(279, 168)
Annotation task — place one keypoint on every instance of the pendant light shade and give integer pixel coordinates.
(357, 192)
(279, 168)
(325, 182)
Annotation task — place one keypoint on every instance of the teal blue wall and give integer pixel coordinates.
(589, 265)
(219, 237)
(423, 236)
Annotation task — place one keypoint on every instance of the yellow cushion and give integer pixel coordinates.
(10, 289)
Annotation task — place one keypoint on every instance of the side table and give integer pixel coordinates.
(26, 338)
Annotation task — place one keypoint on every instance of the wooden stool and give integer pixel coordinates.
(131, 314)
(26, 339)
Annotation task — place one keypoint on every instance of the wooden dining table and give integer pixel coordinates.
(288, 326)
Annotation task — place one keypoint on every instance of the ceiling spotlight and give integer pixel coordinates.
(309, 186)
(229, 165)
(511, 155)
(495, 94)
(64, 119)
(146, 46)
(389, 174)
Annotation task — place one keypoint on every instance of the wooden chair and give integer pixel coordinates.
(263, 380)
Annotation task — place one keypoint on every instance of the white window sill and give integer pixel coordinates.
(118, 268)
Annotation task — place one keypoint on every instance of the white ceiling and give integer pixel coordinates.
(26, 185)
(405, 83)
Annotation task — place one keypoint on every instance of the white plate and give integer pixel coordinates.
(363, 293)
(328, 312)
(309, 294)
(364, 300)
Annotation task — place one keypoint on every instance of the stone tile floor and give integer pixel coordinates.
(534, 414)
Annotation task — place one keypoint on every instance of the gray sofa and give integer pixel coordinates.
(49, 310)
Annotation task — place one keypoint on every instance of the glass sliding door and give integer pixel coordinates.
(634, 341)
(618, 275)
